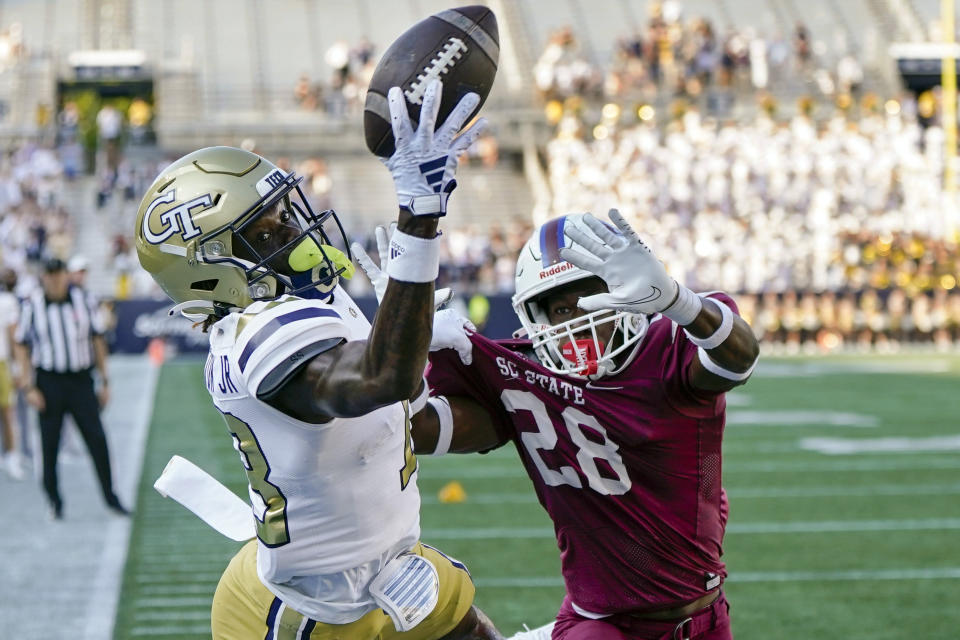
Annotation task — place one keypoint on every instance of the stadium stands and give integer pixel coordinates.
(209, 91)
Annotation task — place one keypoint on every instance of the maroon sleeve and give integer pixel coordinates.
(685, 398)
(448, 376)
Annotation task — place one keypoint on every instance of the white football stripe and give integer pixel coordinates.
(855, 575)
(172, 630)
(846, 446)
(787, 418)
(816, 369)
(828, 491)
(739, 399)
(901, 463)
(743, 528)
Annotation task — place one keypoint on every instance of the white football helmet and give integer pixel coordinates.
(540, 270)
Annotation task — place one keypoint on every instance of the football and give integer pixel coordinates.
(459, 46)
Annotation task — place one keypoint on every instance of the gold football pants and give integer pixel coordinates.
(244, 609)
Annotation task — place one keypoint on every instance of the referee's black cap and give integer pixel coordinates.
(53, 265)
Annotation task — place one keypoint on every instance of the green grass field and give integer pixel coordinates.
(860, 544)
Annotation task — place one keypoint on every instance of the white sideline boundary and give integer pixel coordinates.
(104, 592)
(74, 566)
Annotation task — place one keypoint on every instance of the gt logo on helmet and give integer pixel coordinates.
(175, 220)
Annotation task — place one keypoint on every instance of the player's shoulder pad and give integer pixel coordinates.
(269, 332)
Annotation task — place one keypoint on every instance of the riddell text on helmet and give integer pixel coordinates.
(555, 269)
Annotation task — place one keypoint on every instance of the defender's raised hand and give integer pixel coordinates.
(425, 161)
(636, 279)
(378, 276)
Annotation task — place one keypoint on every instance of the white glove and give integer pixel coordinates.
(425, 160)
(636, 279)
(378, 276)
(449, 333)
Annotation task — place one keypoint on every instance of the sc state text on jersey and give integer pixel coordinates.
(552, 384)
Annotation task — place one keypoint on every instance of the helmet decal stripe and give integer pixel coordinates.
(552, 240)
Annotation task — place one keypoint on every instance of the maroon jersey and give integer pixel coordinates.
(628, 467)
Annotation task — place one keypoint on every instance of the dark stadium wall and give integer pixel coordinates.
(140, 321)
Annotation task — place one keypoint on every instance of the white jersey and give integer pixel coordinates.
(332, 502)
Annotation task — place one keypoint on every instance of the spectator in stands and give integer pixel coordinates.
(562, 72)
(139, 115)
(12, 458)
(802, 47)
(305, 93)
(109, 131)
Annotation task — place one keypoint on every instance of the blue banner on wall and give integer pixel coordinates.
(140, 321)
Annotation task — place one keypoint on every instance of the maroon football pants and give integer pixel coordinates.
(710, 623)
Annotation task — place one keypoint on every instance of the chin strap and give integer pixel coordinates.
(192, 304)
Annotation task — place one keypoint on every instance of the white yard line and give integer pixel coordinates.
(172, 630)
(180, 615)
(829, 491)
(855, 575)
(824, 526)
(173, 602)
(172, 577)
(176, 589)
(844, 526)
(792, 418)
(847, 446)
(899, 463)
(816, 369)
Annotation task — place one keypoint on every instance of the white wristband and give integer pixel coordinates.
(417, 404)
(685, 308)
(433, 205)
(716, 369)
(716, 338)
(413, 259)
(445, 416)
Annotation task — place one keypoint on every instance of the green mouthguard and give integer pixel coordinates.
(308, 255)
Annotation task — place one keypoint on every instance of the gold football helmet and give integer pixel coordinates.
(194, 229)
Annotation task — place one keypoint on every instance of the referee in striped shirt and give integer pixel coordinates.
(60, 337)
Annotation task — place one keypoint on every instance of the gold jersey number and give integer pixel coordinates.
(409, 459)
(271, 513)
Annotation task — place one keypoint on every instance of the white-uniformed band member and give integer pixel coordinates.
(59, 341)
(316, 401)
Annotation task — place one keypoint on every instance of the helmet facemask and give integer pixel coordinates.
(575, 347)
(307, 263)
(572, 347)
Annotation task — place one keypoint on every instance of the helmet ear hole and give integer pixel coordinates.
(204, 285)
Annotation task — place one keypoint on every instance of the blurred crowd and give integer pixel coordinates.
(850, 206)
(35, 221)
(868, 319)
(762, 205)
(680, 55)
(834, 233)
(472, 260)
(343, 91)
